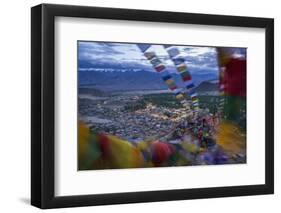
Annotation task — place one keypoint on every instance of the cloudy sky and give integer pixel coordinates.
(100, 56)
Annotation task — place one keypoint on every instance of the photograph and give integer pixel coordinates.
(143, 105)
(139, 105)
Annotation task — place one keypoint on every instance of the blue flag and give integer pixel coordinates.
(143, 47)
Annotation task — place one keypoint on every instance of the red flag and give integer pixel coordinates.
(234, 77)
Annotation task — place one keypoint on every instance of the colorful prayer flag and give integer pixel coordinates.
(185, 76)
(195, 103)
(150, 55)
(173, 52)
(166, 77)
(194, 99)
(196, 108)
(173, 87)
(177, 61)
(179, 96)
(143, 47)
(181, 68)
(170, 81)
(155, 62)
(159, 68)
(234, 80)
(189, 86)
(167, 45)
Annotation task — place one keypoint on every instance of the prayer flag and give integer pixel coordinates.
(170, 81)
(150, 55)
(159, 68)
(167, 45)
(194, 99)
(143, 47)
(185, 76)
(173, 52)
(179, 96)
(177, 61)
(189, 86)
(173, 87)
(234, 80)
(155, 62)
(166, 77)
(195, 104)
(181, 68)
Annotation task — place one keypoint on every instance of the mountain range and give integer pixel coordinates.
(139, 80)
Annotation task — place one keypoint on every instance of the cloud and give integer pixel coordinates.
(199, 51)
(92, 50)
(203, 58)
(122, 56)
(108, 54)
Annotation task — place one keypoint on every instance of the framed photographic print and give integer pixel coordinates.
(140, 106)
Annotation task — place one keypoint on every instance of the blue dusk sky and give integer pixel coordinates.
(107, 56)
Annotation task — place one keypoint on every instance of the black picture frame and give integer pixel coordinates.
(43, 111)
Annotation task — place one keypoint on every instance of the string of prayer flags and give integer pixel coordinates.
(194, 99)
(158, 66)
(179, 62)
(181, 67)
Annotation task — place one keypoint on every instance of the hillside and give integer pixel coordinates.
(207, 86)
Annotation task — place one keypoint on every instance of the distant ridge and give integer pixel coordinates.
(91, 91)
(208, 86)
(130, 80)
